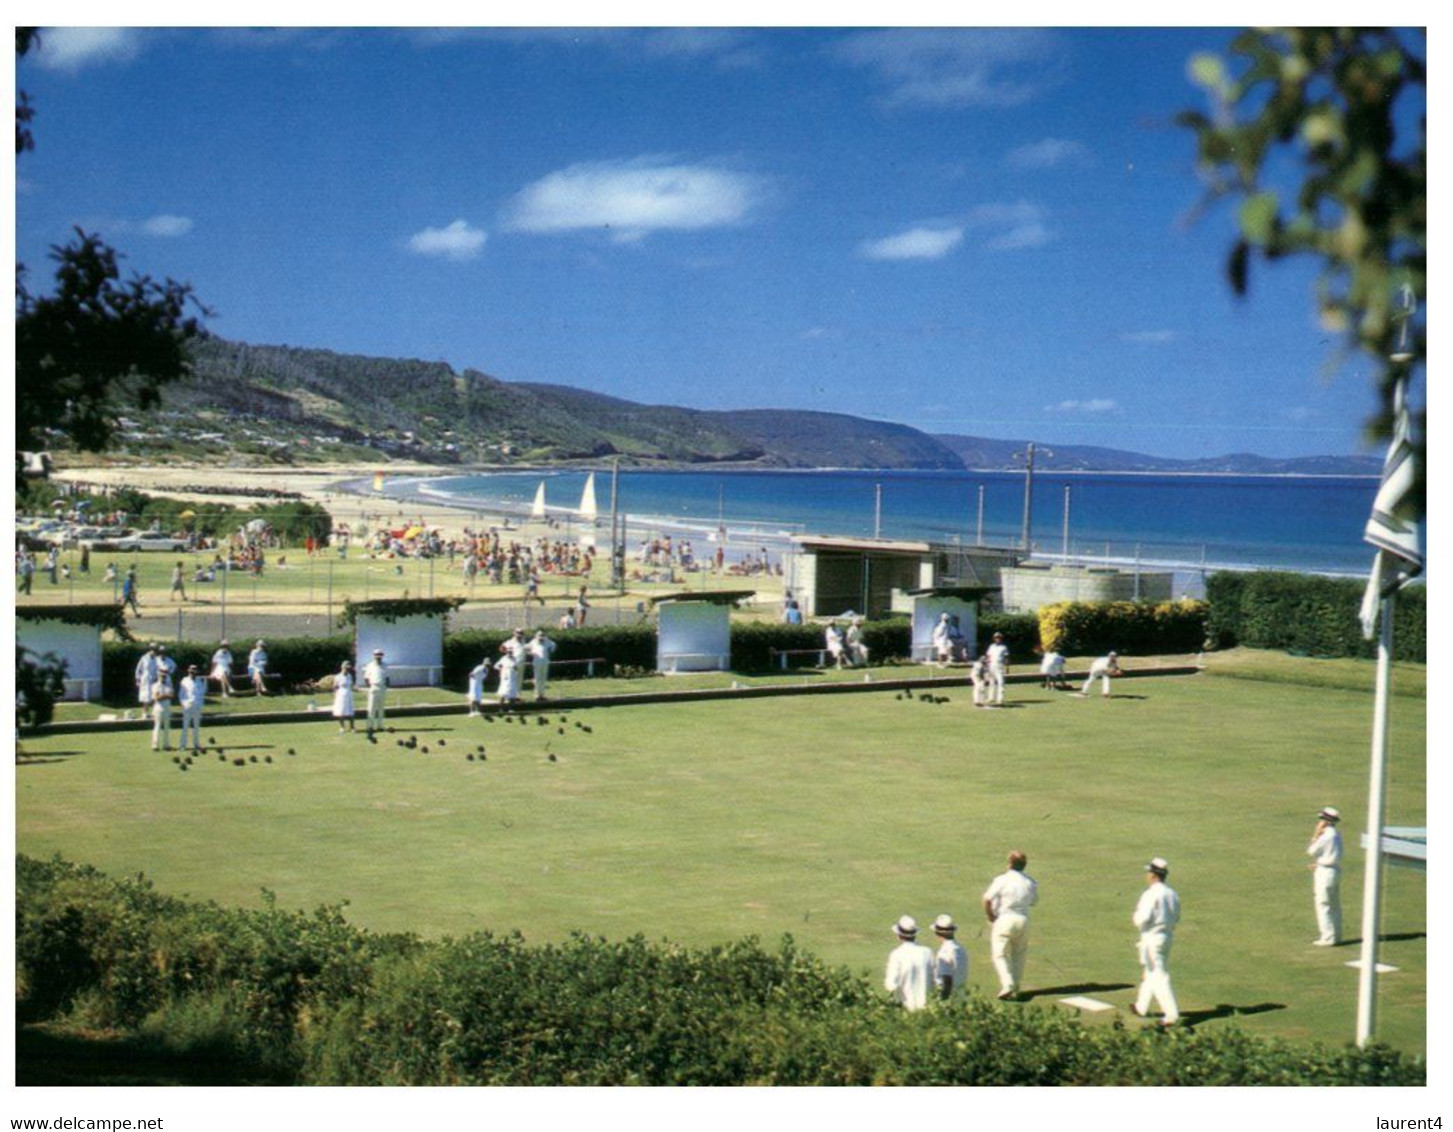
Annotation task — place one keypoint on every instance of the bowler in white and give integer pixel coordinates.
(950, 962)
(1326, 853)
(1006, 904)
(1102, 669)
(910, 967)
(1156, 915)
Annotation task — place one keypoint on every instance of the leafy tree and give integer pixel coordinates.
(25, 38)
(98, 341)
(1330, 102)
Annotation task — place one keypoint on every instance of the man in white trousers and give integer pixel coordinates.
(191, 694)
(541, 648)
(979, 677)
(162, 694)
(375, 677)
(1155, 917)
(1006, 904)
(910, 967)
(1102, 669)
(1326, 865)
(1052, 670)
(146, 670)
(997, 655)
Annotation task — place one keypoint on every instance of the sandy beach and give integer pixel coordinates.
(344, 489)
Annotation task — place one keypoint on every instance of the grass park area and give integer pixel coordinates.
(824, 817)
(304, 595)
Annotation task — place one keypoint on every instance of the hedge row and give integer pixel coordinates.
(631, 646)
(299, 660)
(1306, 614)
(310, 999)
(1082, 628)
(296, 660)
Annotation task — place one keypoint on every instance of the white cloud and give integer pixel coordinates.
(727, 47)
(458, 241)
(916, 243)
(1097, 405)
(1046, 154)
(1032, 235)
(1149, 337)
(1011, 227)
(634, 198)
(70, 49)
(166, 226)
(956, 67)
(1005, 215)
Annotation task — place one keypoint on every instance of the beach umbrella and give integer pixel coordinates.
(189, 514)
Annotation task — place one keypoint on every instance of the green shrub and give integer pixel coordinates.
(310, 999)
(1308, 614)
(1224, 593)
(1021, 633)
(753, 642)
(620, 645)
(296, 660)
(1085, 628)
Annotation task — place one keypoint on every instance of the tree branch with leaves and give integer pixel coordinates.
(1333, 104)
(98, 341)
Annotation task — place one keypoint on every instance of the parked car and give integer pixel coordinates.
(145, 540)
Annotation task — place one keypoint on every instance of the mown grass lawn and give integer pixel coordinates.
(823, 817)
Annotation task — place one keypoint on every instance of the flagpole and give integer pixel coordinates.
(1376, 804)
(1398, 558)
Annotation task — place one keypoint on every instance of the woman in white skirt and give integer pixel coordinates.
(477, 676)
(343, 697)
(508, 667)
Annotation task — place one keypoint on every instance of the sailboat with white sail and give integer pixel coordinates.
(588, 511)
(537, 511)
(587, 499)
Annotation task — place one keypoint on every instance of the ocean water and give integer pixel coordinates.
(1188, 523)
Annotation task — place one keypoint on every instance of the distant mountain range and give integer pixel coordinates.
(293, 405)
(980, 453)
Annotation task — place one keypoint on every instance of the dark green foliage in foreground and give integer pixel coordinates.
(313, 1000)
(1306, 614)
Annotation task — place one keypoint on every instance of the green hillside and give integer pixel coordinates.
(292, 405)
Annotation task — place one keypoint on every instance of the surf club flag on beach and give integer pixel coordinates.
(1399, 552)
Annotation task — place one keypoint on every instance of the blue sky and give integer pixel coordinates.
(975, 231)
